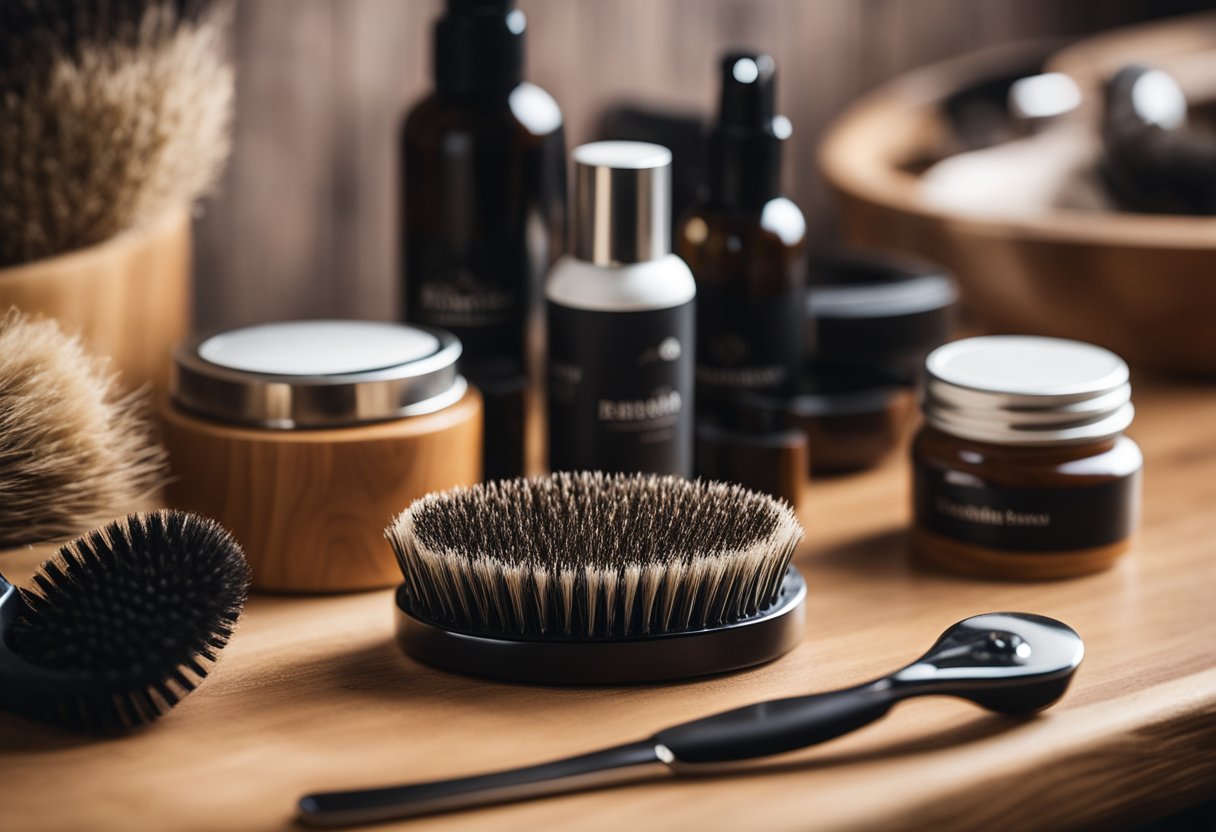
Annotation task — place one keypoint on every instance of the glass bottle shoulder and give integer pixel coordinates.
(651, 284)
(778, 224)
(762, 248)
(527, 111)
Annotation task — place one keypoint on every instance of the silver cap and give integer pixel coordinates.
(622, 202)
(1026, 390)
(318, 374)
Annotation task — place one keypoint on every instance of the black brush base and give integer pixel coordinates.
(559, 661)
(604, 661)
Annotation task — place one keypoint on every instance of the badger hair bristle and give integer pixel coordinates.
(593, 555)
(74, 451)
(135, 612)
(112, 113)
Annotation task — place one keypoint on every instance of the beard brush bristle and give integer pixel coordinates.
(134, 615)
(591, 555)
(112, 113)
(74, 451)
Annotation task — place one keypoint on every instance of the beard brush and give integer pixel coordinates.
(112, 112)
(74, 452)
(1009, 663)
(589, 578)
(122, 624)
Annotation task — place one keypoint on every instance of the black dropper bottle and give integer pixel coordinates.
(744, 242)
(484, 205)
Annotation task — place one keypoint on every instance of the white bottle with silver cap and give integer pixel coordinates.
(621, 321)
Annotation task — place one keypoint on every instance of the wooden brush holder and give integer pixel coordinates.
(128, 298)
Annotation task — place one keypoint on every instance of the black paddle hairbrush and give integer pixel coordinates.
(591, 578)
(124, 622)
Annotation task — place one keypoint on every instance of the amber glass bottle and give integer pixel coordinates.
(484, 184)
(744, 243)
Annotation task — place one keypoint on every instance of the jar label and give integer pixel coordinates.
(621, 390)
(964, 508)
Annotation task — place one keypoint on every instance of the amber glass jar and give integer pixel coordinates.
(1022, 469)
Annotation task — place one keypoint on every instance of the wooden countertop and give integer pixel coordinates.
(312, 694)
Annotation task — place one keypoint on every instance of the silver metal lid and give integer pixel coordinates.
(622, 202)
(316, 374)
(1026, 390)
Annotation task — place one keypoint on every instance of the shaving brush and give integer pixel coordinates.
(112, 112)
(74, 452)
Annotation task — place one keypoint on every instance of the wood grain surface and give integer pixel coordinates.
(310, 506)
(313, 694)
(128, 298)
(304, 222)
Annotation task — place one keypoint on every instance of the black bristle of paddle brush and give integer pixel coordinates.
(593, 556)
(126, 620)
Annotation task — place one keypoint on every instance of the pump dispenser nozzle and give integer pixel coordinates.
(479, 46)
(745, 141)
(748, 87)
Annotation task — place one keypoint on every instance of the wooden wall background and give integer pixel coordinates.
(303, 222)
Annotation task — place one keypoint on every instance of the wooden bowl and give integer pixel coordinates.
(128, 298)
(1144, 286)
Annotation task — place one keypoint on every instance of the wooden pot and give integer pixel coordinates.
(128, 298)
(1140, 285)
(310, 506)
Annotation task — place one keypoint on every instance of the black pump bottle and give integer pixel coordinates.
(744, 242)
(484, 206)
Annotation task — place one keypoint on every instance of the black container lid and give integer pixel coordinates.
(479, 46)
(745, 142)
(825, 390)
(872, 307)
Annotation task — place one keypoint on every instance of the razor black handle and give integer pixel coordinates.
(597, 769)
(752, 731)
(778, 726)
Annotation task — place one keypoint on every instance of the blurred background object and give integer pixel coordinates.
(305, 222)
(114, 118)
(113, 113)
(1032, 252)
(1157, 157)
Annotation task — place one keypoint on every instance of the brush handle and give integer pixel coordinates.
(11, 605)
(15, 672)
(775, 727)
(595, 770)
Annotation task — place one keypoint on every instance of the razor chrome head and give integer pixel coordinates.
(1010, 662)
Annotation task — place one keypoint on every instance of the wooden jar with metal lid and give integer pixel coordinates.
(304, 439)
